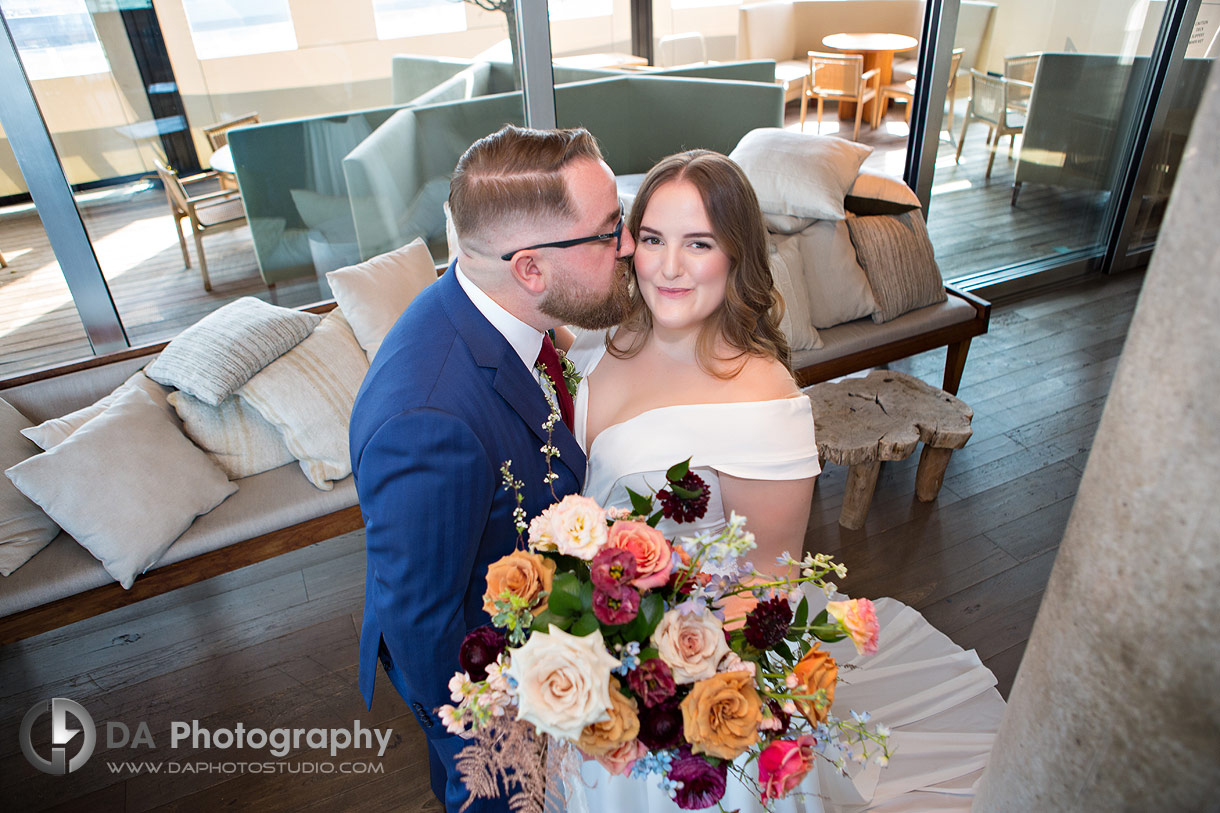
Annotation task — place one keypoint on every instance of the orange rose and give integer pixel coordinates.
(720, 716)
(599, 739)
(653, 555)
(816, 671)
(523, 574)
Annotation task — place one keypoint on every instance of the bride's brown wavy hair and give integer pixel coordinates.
(750, 314)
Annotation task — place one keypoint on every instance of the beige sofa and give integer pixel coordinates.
(786, 30)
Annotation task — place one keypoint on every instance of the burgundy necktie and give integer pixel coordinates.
(549, 359)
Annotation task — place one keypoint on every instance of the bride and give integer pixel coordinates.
(699, 368)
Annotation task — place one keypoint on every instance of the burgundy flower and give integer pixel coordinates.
(652, 681)
(685, 509)
(612, 567)
(661, 726)
(777, 711)
(618, 605)
(703, 784)
(480, 649)
(768, 622)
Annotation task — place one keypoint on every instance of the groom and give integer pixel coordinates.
(454, 392)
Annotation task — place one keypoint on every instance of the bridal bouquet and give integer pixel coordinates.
(662, 660)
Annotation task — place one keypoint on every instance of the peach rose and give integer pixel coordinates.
(563, 681)
(720, 716)
(653, 555)
(816, 670)
(523, 574)
(574, 526)
(691, 643)
(601, 738)
(859, 620)
(620, 760)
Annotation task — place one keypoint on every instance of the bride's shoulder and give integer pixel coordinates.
(765, 379)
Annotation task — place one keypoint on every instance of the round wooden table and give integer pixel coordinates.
(878, 51)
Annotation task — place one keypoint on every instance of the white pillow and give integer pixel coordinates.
(838, 287)
(799, 174)
(789, 275)
(232, 434)
(53, 431)
(25, 528)
(308, 395)
(220, 352)
(125, 485)
(374, 293)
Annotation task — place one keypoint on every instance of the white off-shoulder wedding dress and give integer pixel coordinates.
(939, 700)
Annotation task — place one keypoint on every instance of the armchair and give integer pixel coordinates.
(989, 103)
(842, 78)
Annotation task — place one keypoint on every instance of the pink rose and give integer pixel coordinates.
(575, 526)
(859, 621)
(653, 555)
(783, 764)
(691, 644)
(620, 760)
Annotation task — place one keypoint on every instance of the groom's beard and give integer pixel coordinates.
(573, 304)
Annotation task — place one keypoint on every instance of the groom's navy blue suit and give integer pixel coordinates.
(445, 403)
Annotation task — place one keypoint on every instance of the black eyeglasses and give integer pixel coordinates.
(617, 234)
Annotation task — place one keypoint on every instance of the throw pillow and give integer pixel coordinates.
(838, 288)
(125, 485)
(25, 528)
(789, 277)
(220, 352)
(53, 431)
(897, 256)
(232, 434)
(308, 396)
(874, 193)
(799, 174)
(374, 293)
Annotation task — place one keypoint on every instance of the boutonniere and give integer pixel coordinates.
(571, 377)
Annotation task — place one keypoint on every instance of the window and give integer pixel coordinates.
(55, 38)
(239, 27)
(414, 18)
(580, 9)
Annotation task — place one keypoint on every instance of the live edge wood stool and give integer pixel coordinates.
(860, 422)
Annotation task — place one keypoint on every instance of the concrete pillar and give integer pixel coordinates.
(1117, 703)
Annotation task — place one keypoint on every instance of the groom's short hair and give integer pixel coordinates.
(513, 175)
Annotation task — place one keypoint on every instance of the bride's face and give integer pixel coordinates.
(680, 267)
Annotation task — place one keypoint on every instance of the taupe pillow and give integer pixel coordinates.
(223, 350)
(308, 395)
(838, 288)
(54, 431)
(125, 485)
(874, 193)
(233, 434)
(897, 257)
(789, 276)
(25, 528)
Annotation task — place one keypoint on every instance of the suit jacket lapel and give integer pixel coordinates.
(510, 378)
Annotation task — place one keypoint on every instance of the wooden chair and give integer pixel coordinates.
(218, 136)
(1023, 68)
(842, 78)
(989, 103)
(905, 92)
(210, 212)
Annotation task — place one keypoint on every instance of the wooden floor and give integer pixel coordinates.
(972, 224)
(274, 645)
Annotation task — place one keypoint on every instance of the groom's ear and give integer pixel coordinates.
(527, 273)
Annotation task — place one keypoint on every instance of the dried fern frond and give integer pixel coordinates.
(506, 758)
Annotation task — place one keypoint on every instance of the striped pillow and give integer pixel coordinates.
(308, 394)
(896, 255)
(233, 435)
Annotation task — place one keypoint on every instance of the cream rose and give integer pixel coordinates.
(563, 681)
(575, 526)
(653, 555)
(691, 643)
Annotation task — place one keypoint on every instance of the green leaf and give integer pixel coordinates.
(649, 652)
(656, 518)
(678, 471)
(828, 633)
(586, 596)
(565, 595)
(585, 625)
(652, 607)
(784, 651)
(685, 493)
(545, 618)
(820, 619)
(802, 613)
(639, 503)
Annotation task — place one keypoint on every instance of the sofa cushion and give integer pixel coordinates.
(799, 176)
(233, 434)
(125, 485)
(838, 288)
(897, 257)
(53, 431)
(374, 293)
(219, 353)
(308, 396)
(787, 270)
(25, 528)
(874, 193)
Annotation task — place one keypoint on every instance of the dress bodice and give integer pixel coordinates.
(761, 440)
